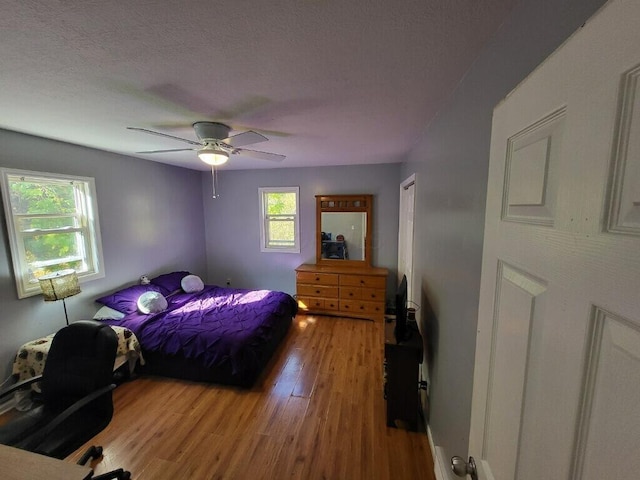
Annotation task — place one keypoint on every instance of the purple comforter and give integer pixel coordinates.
(214, 325)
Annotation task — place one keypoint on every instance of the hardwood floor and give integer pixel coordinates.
(317, 413)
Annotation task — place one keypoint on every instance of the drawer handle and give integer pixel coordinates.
(361, 307)
(351, 294)
(317, 279)
(373, 295)
(362, 281)
(346, 307)
(317, 291)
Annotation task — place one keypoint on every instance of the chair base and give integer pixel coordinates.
(94, 452)
(118, 474)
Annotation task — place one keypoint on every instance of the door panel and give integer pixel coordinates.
(608, 428)
(625, 194)
(519, 299)
(532, 159)
(557, 373)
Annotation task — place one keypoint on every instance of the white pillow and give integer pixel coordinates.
(108, 313)
(192, 283)
(152, 302)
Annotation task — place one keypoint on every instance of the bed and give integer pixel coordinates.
(202, 332)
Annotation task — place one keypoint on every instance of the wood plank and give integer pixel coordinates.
(318, 412)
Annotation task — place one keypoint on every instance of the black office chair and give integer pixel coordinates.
(76, 401)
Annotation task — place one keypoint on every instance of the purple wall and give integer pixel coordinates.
(233, 228)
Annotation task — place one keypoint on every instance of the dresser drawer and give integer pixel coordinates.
(317, 291)
(331, 304)
(310, 303)
(317, 278)
(358, 307)
(363, 281)
(357, 293)
(372, 294)
(353, 293)
(314, 304)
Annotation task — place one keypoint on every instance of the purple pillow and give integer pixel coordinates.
(169, 282)
(126, 300)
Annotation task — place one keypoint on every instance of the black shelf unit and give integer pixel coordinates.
(402, 361)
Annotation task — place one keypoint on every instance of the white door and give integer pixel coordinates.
(557, 377)
(405, 233)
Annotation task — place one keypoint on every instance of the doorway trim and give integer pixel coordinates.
(406, 232)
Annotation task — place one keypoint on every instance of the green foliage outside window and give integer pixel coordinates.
(41, 198)
(281, 210)
(281, 203)
(47, 218)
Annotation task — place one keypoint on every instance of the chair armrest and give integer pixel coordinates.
(36, 438)
(19, 385)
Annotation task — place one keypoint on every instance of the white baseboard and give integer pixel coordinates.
(441, 466)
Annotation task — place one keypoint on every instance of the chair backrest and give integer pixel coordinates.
(80, 361)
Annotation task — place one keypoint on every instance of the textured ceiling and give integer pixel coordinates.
(328, 82)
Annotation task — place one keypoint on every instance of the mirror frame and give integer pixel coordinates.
(344, 203)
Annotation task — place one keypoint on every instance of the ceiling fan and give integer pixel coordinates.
(215, 145)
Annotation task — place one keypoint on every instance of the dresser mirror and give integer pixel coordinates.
(343, 229)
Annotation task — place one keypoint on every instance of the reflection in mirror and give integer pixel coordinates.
(343, 235)
(343, 229)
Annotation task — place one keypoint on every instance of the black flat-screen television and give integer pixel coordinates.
(400, 329)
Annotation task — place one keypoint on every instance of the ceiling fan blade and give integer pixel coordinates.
(244, 138)
(151, 132)
(274, 157)
(172, 150)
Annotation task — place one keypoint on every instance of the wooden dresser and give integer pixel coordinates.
(346, 291)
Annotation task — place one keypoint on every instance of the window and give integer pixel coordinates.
(52, 222)
(280, 231)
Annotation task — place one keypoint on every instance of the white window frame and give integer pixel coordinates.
(87, 215)
(264, 220)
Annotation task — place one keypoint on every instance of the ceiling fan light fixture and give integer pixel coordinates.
(213, 155)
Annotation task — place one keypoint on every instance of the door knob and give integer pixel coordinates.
(462, 468)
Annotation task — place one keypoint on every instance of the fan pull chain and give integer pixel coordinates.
(214, 181)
